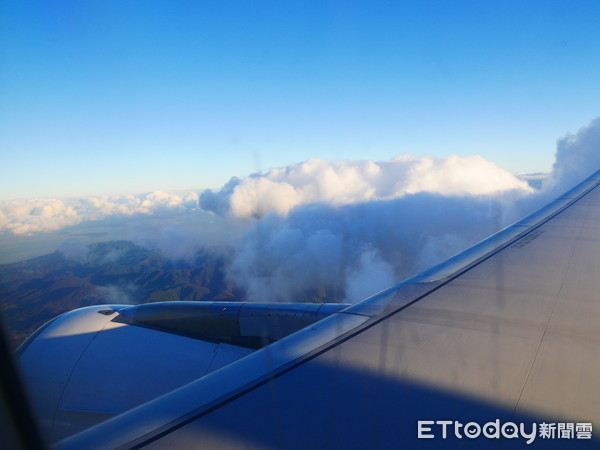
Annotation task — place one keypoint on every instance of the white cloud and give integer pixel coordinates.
(355, 227)
(350, 182)
(117, 295)
(341, 247)
(372, 275)
(35, 215)
(25, 217)
(361, 224)
(577, 157)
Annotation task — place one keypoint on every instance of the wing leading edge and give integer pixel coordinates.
(507, 330)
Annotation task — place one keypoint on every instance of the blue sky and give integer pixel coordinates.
(121, 96)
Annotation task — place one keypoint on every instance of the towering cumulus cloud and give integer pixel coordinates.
(577, 156)
(352, 228)
(346, 182)
(356, 227)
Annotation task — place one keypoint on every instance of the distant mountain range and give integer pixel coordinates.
(34, 291)
(38, 289)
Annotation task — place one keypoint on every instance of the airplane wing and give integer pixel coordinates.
(500, 340)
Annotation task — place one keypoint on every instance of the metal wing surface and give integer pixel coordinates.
(508, 330)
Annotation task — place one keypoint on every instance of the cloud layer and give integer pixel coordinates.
(351, 182)
(577, 157)
(357, 227)
(342, 229)
(24, 217)
(356, 248)
(353, 228)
